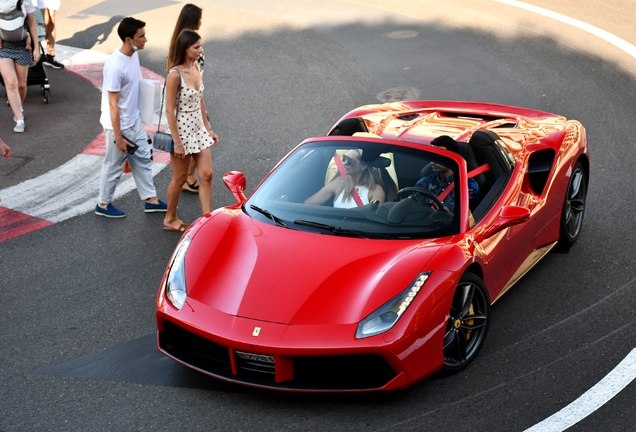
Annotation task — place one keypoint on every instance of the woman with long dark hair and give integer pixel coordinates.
(189, 126)
(190, 18)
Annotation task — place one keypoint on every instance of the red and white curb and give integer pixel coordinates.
(71, 189)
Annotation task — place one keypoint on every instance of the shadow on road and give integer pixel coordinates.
(94, 35)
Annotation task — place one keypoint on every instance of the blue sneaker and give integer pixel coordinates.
(110, 211)
(153, 208)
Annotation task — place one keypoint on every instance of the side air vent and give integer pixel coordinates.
(539, 167)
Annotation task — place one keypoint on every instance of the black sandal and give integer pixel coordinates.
(194, 187)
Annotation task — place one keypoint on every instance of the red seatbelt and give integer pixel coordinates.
(442, 196)
(343, 174)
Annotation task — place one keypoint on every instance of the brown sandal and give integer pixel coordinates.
(181, 228)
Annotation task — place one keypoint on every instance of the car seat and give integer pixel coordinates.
(349, 126)
(355, 126)
(487, 147)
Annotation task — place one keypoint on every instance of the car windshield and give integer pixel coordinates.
(361, 189)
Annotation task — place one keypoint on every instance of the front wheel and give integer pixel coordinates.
(467, 325)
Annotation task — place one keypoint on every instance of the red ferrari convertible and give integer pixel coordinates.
(368, 259)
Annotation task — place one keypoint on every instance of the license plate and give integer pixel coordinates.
(255, 357)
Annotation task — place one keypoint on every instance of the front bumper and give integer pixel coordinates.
(353, 372)
(278, 356)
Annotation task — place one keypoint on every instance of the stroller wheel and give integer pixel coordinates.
(46, 96)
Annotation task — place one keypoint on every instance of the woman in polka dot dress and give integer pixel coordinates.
(190, 18)
(190, 128)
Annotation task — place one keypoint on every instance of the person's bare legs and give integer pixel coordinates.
(49, 25)
(22, 72)
(192, 179)
(179, 172)
(11, 74)
(204, 167)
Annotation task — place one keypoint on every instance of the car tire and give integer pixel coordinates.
(468, 323)
(573, 207)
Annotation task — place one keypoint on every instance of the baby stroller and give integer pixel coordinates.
(37, 74)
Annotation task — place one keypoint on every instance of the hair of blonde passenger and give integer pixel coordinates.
(369, 178)
(185, 40)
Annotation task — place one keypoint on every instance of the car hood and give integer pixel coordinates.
(256, 270)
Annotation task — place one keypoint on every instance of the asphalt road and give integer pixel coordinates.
(77, 329)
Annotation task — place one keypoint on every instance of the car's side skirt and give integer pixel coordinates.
(525, 267)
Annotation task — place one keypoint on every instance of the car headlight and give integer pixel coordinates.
(386, 316)
(176, 283)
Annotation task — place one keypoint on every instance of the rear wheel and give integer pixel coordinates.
(467, 325)
(573, 207)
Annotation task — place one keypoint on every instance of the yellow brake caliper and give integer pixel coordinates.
(471, 312)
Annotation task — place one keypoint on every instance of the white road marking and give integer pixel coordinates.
(67, 191)
(625, 372)
(600, 33)
(593, 399)
(71, 189)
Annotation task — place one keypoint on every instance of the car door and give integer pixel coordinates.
(504, 240)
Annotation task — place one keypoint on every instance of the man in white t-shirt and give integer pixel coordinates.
(124, 134)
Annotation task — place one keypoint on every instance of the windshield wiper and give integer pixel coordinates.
(277, 220)
(336, 230)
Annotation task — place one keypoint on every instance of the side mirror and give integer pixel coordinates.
(235, 182)
(508, 216)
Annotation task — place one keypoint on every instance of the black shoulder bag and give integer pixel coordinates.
(162, 140)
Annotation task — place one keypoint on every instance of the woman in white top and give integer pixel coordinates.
(189, 125)
(189, 18)
(361, 179)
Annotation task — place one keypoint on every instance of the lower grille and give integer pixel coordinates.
(348, 372)
(255, 363)
(328, 373)
(195, 350)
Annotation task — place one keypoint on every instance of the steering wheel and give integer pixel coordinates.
(416, 193)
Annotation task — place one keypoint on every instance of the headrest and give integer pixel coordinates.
(483, 138)
(378, 162)
(371, 156)
(349, 126)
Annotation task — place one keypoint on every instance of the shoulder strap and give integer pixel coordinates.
(442, 196)
(10, 9)
(343, 174)
(163, 95)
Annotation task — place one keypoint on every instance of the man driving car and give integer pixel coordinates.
(442, 177)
